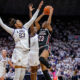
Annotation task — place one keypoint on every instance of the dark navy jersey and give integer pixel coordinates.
(44, 36)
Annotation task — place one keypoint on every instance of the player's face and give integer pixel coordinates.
(44, 25)
(4, 53)
(18, 24)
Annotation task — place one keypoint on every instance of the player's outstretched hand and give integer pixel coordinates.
(31, 7)
(40, 5)
(51, 10)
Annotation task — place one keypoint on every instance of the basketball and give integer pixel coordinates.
(47, 10)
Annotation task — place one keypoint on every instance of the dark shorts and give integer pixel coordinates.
(43, 48)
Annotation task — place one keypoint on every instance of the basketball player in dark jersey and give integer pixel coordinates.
(44, 34)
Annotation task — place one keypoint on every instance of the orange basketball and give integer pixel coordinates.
(47, 10)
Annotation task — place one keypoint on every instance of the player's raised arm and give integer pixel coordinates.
(37, 21)
(49, 20)
(6, 28)
(30, 22)
(50, 16)
(30, 10)
(30, 15)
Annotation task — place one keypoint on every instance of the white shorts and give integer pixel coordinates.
(2, 71)
(20, 58)
(33, 58)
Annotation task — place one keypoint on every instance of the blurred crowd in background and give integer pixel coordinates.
(65, 50)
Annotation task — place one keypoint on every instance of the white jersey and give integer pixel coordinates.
(34, 51)
(3, 61)
(21, 38)
(34, 45)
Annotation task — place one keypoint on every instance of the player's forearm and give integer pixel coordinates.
(49, 28)
(30, 14)
(39, 18)
(5, 27)
(49, 19)
(34, 16)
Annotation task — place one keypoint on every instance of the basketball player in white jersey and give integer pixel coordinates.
(34, 48)
(21, 38)
(3, 61)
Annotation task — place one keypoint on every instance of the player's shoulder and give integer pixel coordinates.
(47, 30)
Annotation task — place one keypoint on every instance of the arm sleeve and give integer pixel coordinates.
(6, 28)
(30, 22)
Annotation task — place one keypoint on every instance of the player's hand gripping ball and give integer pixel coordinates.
(47, 10)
